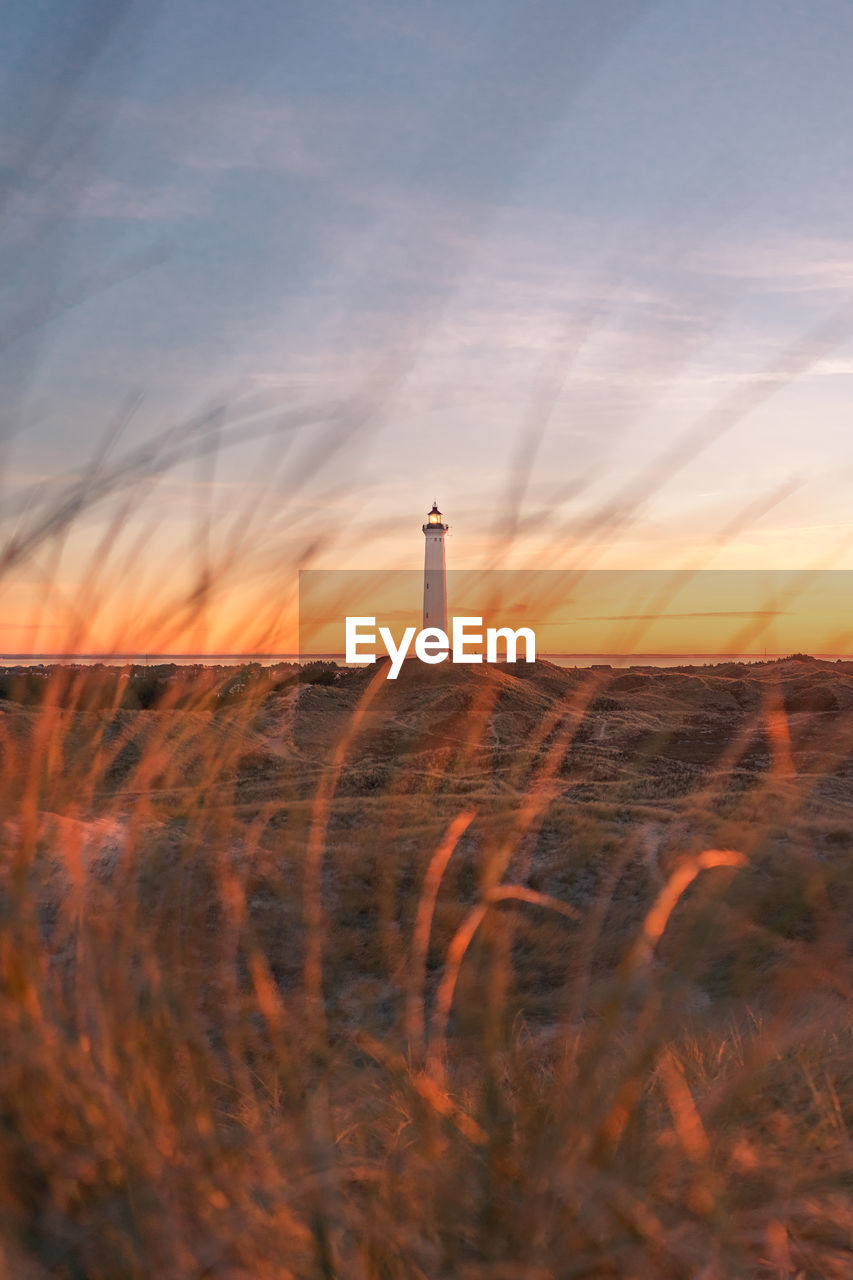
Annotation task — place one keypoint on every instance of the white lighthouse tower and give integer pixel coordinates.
(435, 586)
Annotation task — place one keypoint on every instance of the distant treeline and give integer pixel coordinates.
(141, 687)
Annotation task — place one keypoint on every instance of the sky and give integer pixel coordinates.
(277, 275)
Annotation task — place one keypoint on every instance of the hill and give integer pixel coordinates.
(487, 971)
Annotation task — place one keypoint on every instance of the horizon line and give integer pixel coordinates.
(297, 657)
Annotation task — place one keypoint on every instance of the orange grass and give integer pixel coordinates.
(475, 974)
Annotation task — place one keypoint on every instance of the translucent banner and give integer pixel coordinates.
(659, 616)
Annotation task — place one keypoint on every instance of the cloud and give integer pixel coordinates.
(783, 264)
(72, 192)
(110, 198)
(661, 616)
(244, 134)
(31, 626)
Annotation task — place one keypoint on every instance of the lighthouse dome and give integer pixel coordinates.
(434, 516)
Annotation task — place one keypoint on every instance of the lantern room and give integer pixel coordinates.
(434, 520)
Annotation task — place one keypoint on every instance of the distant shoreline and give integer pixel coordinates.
(227, 659)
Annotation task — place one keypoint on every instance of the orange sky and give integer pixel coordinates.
(162, 591)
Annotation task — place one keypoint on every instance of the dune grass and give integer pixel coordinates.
(281, 1005)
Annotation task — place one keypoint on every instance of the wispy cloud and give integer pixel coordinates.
(111, 198)
(776, 263)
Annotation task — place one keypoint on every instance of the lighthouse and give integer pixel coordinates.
(435, 587)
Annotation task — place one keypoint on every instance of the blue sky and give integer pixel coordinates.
(585, 226)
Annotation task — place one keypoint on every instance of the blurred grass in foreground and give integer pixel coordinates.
(496, 973)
